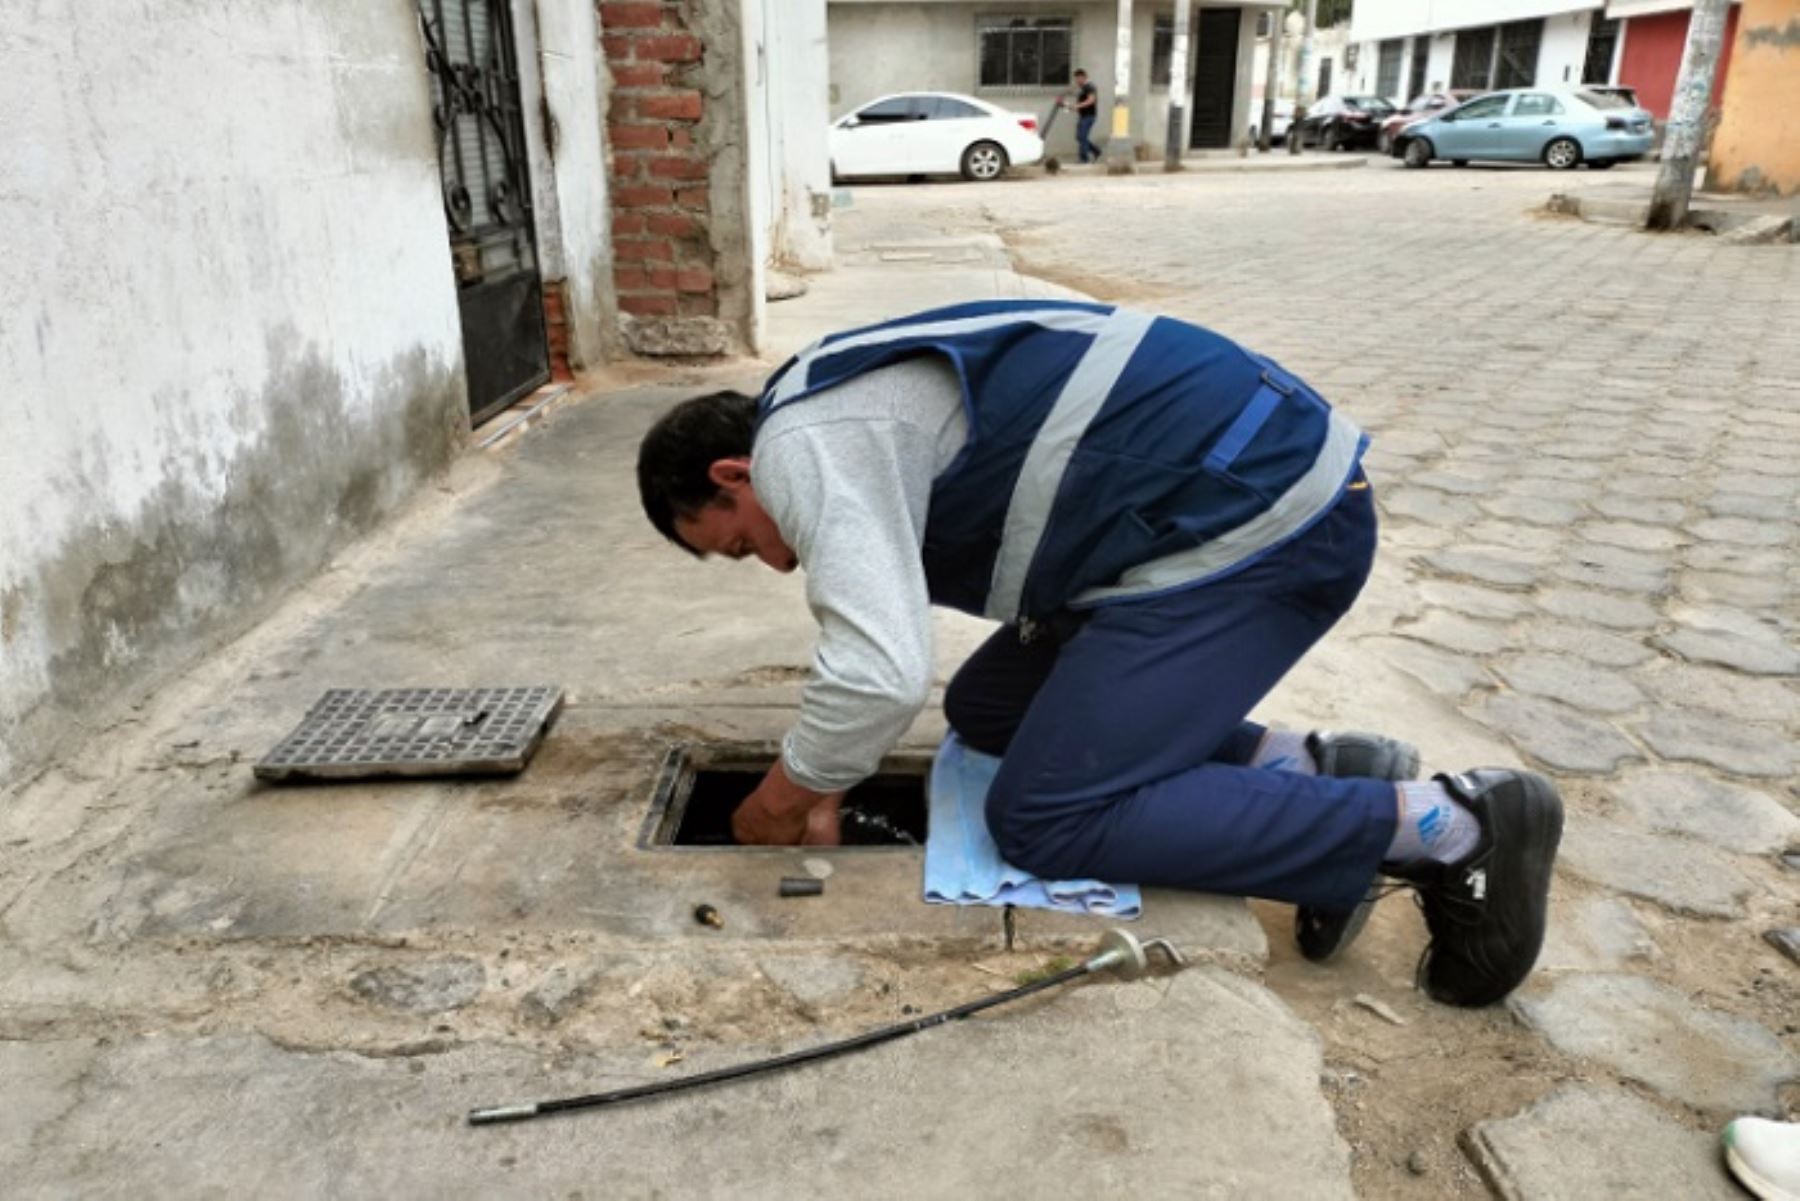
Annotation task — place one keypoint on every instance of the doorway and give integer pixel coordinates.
(473, 58)
(1215, 78)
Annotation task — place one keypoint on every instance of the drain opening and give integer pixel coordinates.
(697, 793)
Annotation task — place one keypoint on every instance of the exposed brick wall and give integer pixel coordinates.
(662, 254)
(556, 327)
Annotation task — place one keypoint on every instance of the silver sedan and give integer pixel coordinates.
(1559, 127)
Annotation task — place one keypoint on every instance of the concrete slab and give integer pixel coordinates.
(554, 849)
(1595, 934)
(1683, 876)
(1728, 816)
(1583, 1142)
(1647, 1032)
(1098, 1092)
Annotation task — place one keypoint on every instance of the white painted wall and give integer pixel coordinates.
(761, 178)
(559, 78)
(799, 118)
(229, 338)
(1563, 52)
(1374, 20)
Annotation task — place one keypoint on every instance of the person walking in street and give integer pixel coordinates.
(1087, 107)
(1162, 523)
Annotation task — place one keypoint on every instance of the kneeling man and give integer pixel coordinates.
(1163, 523)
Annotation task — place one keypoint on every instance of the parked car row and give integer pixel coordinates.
(1428, 105)
(941, 133)
(1343, 122)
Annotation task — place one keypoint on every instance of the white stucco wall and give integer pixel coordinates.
(799, 116)
(761, 176)
(1374, 20)
(559, 80)
(230, 336)
(1563, 51)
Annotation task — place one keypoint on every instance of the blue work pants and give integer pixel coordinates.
(1124, 741)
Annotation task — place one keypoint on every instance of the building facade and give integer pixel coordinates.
(1756, 147)
(1410, 46)
(1022, 55)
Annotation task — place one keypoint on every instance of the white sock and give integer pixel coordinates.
(1285, 750)
(1432, 826)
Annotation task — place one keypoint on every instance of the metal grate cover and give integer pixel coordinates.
(355, 733)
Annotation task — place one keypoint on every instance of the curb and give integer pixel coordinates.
(1202, 167)
(1736, 228)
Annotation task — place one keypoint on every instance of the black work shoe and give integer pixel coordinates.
(1323, 934)
(1487, 912)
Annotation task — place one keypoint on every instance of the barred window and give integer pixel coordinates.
(1502, 56)
(1162, 50)
(1516, 64)
(1473, 64)
(1026, 52)
(1387, 69)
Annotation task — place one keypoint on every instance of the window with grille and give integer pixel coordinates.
(1516, 64)
(1026, 52)
(1324, 88)
(1473, 64)
(1162, 50)
(1265, 24)
(1387, 69)
(1603, 43)
(1421, 55)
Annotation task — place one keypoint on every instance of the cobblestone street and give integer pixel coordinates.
(1585, 447)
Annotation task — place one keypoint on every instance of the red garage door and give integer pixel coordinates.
(1651, 60)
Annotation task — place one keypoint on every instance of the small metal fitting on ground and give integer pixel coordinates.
(706, 915)
(1124, 951)
(801, 886)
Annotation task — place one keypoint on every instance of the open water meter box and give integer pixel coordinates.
(700, 785)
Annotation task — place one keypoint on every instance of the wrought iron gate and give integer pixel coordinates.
(470, 51)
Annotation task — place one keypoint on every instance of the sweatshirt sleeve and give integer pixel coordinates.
(850, 497)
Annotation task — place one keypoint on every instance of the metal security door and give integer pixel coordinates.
(1215, 75)
(470, 50)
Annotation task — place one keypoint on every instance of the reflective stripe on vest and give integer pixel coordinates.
(1040, 480)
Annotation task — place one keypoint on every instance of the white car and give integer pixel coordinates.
(1278, 128)
(933, 133)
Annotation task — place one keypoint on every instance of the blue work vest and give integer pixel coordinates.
(1111, 454)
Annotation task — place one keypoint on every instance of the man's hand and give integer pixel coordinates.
(781, 813)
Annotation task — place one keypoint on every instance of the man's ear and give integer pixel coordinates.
(730, 475)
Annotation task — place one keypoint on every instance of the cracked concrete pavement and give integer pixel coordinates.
(1584, 448)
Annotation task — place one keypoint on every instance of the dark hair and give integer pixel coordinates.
(678, 453)
(1080, 70)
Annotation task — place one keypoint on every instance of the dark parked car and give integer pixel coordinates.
(1431, 104)
(1343, 122)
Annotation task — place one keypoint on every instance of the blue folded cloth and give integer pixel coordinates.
(963, 866)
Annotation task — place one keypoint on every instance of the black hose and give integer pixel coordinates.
(537, 1109)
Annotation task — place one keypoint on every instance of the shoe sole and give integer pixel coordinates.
(1762, 1188)
(1538, 821)
(1315, 949)
(1308, 919)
